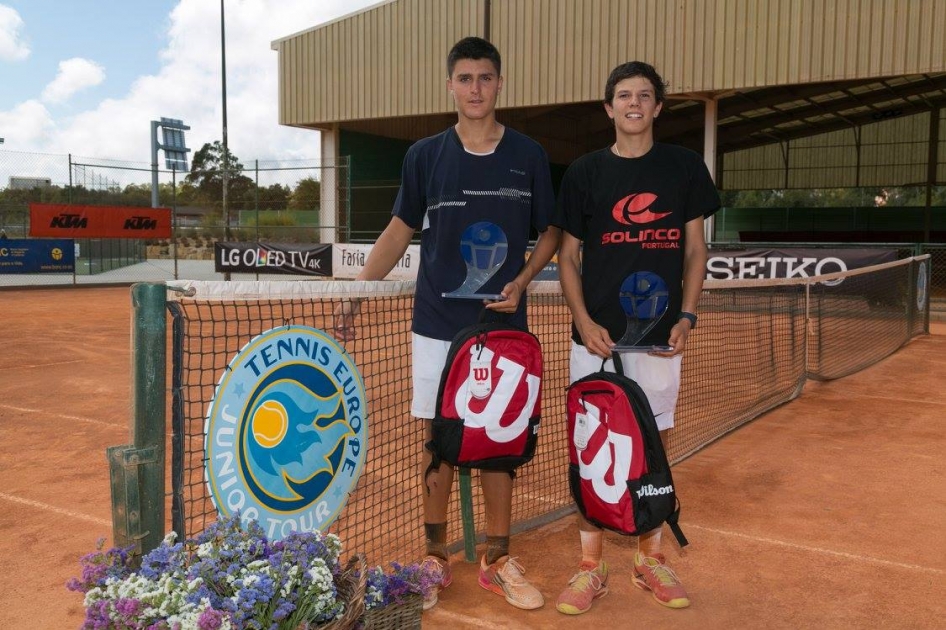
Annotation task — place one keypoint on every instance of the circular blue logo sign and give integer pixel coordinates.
(922, 286)
(287, 431)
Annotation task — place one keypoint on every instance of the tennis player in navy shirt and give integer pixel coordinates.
(476, 171)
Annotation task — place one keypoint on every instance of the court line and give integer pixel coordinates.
(20, 366)
(923, 401)
(839, 554)
(61, 415)
(539, 497)
(57, 510)
(466, 619)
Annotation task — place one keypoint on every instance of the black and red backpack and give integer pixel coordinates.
(618, 471)
(490, 399)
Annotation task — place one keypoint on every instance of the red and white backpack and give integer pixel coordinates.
(618, 471)
(490, 399)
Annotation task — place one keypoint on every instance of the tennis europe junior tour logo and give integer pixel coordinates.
(287, 431)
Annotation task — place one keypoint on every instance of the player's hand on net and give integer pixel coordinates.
(344, 325)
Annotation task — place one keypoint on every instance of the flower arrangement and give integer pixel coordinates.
(400, 582)
(227, 578)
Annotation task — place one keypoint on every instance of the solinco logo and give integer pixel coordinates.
(287, 431)
(140, 223)
(69, 221)
(635, 209)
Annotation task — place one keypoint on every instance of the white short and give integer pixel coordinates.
(428, 359)
(659, 377)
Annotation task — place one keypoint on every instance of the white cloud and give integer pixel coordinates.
(12, 46)
(74, 74)
(188, 86)
(27, 124)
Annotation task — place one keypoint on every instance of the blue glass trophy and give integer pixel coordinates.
(645, 298)
(484, 248)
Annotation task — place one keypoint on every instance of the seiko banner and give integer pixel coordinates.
(286, 258)
(27, 255)
(790, 263)
(61, 220)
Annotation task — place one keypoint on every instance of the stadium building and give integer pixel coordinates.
(779, 95)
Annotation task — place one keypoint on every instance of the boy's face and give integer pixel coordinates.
(634, 106)
(475, 85)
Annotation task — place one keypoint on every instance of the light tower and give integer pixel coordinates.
(175, 150)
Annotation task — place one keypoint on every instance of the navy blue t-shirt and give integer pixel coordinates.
(444, 190)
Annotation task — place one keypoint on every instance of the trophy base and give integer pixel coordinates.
(472, 296)
(620, 348)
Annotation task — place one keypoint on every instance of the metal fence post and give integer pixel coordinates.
(137, 470)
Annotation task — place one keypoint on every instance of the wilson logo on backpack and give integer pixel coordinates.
(489, 400)
(618, 472)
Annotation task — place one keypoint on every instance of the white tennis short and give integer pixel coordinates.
(428, 359)
(659, 377)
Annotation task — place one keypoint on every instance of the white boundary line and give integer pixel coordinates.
(20, 366)
(839, 554)
(57, 510)
(439, 613)
(60, 415)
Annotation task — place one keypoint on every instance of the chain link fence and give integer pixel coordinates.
(270, 201)
(266, 201)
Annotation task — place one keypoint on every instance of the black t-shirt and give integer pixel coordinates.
(444, 190)
(630, 214)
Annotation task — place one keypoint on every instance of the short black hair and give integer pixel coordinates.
(635, 69)
(473, 48)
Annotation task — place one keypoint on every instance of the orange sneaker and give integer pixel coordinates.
(651, 574)
(442, 567)
(504, 577)
(587, 585)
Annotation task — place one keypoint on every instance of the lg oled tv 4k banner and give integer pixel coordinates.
(291, 258)
(790, 263)
(60, 220)
(27, 255)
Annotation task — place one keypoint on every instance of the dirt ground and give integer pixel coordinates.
(827, 512)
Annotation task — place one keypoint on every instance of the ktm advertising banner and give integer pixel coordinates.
(60, 220)
(27, 255)
(291, 258)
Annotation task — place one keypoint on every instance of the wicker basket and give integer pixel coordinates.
(351, 589)
(404, 616)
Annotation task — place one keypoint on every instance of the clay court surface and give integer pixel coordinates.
(827, 512)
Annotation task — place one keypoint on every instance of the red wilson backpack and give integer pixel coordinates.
(490, 399)
(618, 472)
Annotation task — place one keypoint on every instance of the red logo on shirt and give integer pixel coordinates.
(636, 209)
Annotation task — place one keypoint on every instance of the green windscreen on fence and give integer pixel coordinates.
(756, 343)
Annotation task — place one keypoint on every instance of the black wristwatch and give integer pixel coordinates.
(690, 317)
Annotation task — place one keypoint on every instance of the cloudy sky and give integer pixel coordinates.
(86, 77)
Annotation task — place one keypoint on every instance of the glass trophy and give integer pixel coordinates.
(484, 247)
(644, 296)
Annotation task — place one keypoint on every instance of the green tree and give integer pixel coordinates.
(206, 174)
(307, 194)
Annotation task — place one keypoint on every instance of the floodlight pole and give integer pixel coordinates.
(226, 153)
(154, 164)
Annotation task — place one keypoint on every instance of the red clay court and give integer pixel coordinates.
(826, 512)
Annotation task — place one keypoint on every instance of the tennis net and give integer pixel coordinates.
(756, 344)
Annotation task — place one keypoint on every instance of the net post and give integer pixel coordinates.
(137, 469)
(466, 512)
